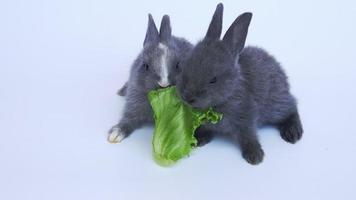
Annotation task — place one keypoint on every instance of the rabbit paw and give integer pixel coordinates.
(253, 155)
(116, 135)
(203, 137)
(291, 129)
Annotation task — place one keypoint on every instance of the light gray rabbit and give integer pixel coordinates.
(155, 66)
(247, 85)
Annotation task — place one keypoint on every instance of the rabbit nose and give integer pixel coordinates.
(189, 98)
(190, 101)
(163, 84)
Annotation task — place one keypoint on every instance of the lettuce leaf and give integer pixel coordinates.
(175, 123)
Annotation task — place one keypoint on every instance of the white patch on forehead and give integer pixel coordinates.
(163, 82)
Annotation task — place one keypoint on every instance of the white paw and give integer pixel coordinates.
(116, 135)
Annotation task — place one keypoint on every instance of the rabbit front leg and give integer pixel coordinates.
(239, 125)
(135, 116)
(203, 136)
(124, 128)
(250, 146)
(242, 128)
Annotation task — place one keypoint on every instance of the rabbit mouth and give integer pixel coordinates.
(191, 100)
(198, 104)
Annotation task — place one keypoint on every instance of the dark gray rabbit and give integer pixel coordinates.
(247, 85)
(155, 66)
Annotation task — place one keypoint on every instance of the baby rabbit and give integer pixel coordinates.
(155, 66)
(247, 85)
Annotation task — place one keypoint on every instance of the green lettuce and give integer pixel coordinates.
(175, 123)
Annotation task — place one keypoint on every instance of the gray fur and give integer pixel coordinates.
(152, 35)
(122, 90)
(247, 85)
(145, 71)
(215, 26)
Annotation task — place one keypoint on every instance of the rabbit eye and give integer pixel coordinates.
(147, 67)
(213, 80)
(177, 66)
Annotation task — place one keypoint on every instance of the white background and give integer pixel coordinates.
(61, 63)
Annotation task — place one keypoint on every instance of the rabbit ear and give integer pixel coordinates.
(215, 26)
(235, 36)
(152, 33)
(165, 32)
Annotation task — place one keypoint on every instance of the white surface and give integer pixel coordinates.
(61, 63)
